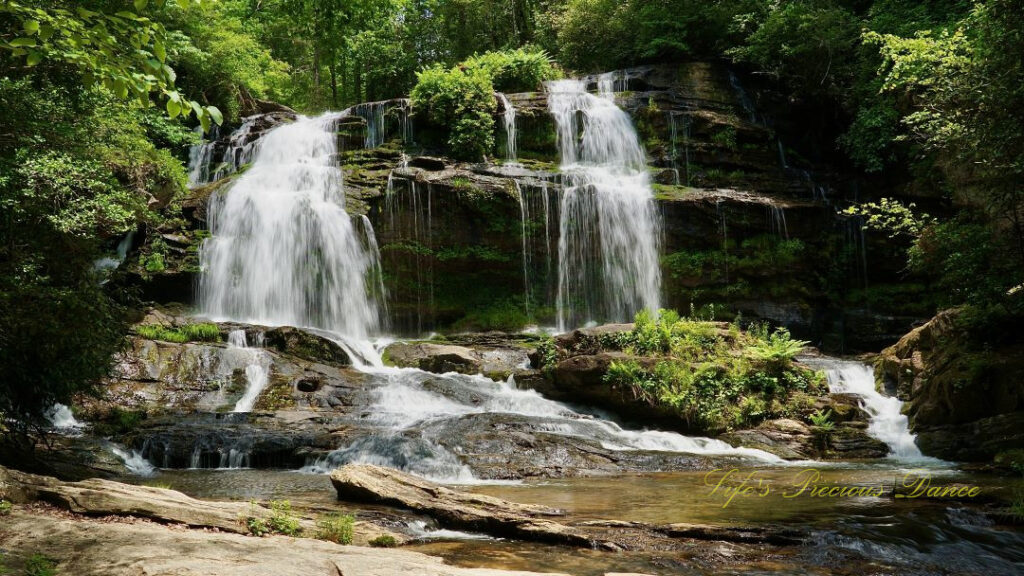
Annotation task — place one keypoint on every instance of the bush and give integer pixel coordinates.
(5, 507)
(336, 528)
(519, 70)
(460, 103)
(281, 520)
(384, 541)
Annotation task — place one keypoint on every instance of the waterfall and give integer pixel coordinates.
(375, 114)
(509, 116)
(886, 423)
(204, 164)
(133, 461)
(524, 214)
(257, 370)
(777, 221)
(282, 250)
(609, 232)
(61, 418)
(200, 157)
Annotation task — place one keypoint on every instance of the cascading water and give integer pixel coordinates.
(416, 412)
(509, 117)
(212, 159)
(257, 370)
(283, 251)
(609, 231)
(887, 423)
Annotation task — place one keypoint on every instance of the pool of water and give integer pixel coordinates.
(853, 534)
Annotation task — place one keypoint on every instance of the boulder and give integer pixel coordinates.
(437, 358)
(308, 346)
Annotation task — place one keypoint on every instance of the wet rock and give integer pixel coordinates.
(437, 358)
(963, 402)
(430, 163)
(306, 345)
(785, 438)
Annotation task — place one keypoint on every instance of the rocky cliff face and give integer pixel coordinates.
(747, 223)
(963, 403)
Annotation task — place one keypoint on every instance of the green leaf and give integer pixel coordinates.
(34, 56)
(159, 51)
(204, 119)
(215, 114)
(141, 4)
(120, 88)
(173, 108)
(45, 31)
(23, 42)
(30, 26)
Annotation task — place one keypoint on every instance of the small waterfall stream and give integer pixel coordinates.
(609, 231)
(509, 117)
(257, 370)
(887, 423)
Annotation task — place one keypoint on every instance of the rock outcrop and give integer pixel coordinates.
(963, 403)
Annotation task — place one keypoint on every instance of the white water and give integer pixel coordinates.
(886, 422)
(609, 231)
(409, 411)
(61, 418)
(134, 461)
(283, 250)
(509, 117)
(257, 371)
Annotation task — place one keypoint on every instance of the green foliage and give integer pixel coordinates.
(124, 52)
(547, 351)
(822, 420)
(384, 541)
(280, 521)
(519, 70)
(776, 349)
(713, 381)
(891, 216)
(460, 103)
(39, 565)
(119, 421)
(5, 507)
(203, 332)
(336, 528)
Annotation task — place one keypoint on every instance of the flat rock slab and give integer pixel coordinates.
(90, 548)
(456, 509)
(497, 517)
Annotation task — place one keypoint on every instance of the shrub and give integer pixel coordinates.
(822, 420)
(519, 70)
(336, 528)
(281, 519)
(384, 541)
(460, 102)
(5, 507)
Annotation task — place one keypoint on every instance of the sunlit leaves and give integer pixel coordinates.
(123, 51)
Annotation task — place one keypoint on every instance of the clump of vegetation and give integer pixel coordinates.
(384, 541)
(548, 354)
(715, 378)
(520, 70)
(39, 565)
(460, 103)
(280, 521)
(5, 507)
(1012, 459)
(336, 528)
(203, 332)
(119, 421)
